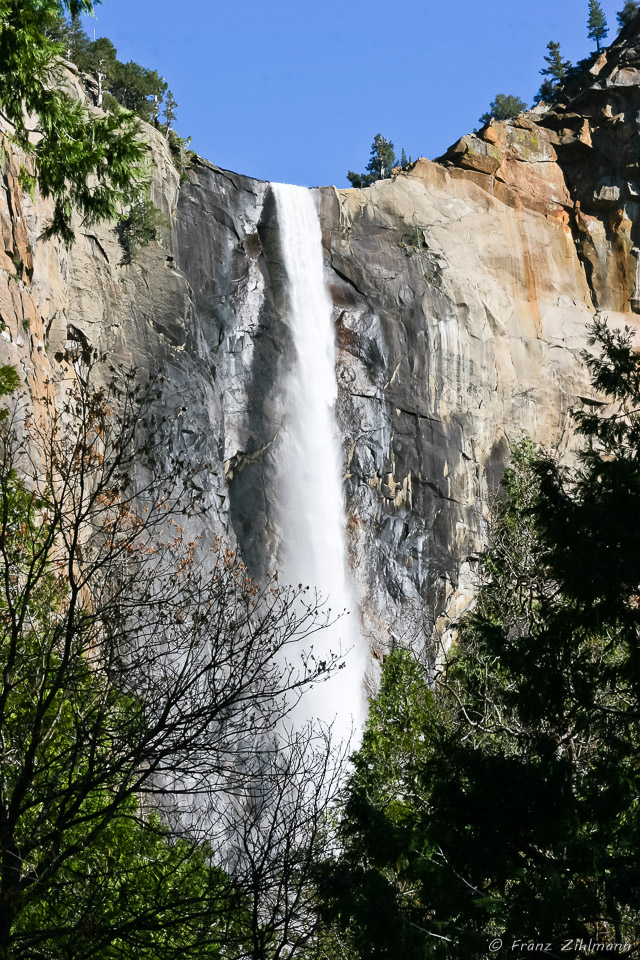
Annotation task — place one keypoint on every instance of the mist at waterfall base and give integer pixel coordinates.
(313, 527)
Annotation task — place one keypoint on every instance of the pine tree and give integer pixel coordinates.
(628, 12)
(77, 43)
(381, 162)
(557, 67)
(94, 165)
(597, 23)
(546, 93)
(504, 796)
(382, 159)
(405, 162)
(503, 107)
(555, 73)
(170, 111)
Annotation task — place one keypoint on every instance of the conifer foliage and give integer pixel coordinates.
(555, 72)
(381, 163)
(597, 23)
(505, 106)
(628, 12)
(502, 807)
(83, 162)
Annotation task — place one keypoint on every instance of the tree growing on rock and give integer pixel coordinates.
(170, 111)
(381, 163)
(82, 162)
(555, 72)
(405, 161)
(597, 23)
(556, 67)
(628, 12)
(503, 107)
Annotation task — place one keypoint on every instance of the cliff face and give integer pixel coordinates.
(462, 290)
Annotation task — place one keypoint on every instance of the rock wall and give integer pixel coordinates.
(462, 291)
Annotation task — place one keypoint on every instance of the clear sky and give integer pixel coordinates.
(295, 90)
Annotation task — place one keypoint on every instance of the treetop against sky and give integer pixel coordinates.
(295, 92)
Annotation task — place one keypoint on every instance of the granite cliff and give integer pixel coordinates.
(462, 291)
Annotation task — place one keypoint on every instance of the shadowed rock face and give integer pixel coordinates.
(462, 291)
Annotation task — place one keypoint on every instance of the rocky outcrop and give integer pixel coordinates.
(462, 292)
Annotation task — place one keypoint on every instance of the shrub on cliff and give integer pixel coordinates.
(503, 806)
(503, 107)
(140, 227)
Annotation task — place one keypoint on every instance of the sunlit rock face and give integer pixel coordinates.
(460, 321)
(462, 291)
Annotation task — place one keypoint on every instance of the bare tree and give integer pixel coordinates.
(277, 833)
(131, 668)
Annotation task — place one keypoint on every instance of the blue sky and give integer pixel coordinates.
(295, 90)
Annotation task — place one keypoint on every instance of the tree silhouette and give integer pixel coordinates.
(597, 23)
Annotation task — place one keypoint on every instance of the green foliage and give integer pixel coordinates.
(180, 152)
(9, 380)
(70, 34)
(130, 674)
(170, 110)
(81, 161)
(125, 85)
(597, 23)
(135, 87)
(364, 892)
(131, 890)
(381, 163)
(503, 107)
(506, 804)
(132, 86)
(140, 227)
(556, 67)
(555, 72)
(628, 12)
(98, 878)
(414, 242)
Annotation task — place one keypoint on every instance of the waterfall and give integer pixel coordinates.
(313, 524)
(634, 300)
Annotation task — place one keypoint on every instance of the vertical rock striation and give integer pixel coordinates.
(461, 289)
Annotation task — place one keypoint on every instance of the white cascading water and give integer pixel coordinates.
(313, 528)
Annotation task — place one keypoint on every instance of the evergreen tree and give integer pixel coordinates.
(547, 92)
(102, 55)
(628, 12)
(555, 73)
(68, 31)
(504, 804)
(597, 23)
(556, 67)
(503, 107)
(405, 162)
(170, 111)
(135, 87)
(93, 165)
(381, 162)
